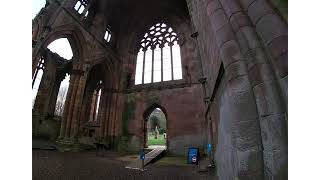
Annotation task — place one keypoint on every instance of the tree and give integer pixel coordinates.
(154, 122)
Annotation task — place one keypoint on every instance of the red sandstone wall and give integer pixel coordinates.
(185, 115)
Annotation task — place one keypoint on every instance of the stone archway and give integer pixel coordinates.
(155, 127)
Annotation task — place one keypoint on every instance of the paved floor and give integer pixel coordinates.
(87, 166)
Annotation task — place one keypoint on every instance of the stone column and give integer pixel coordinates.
(75, 121)
(273, 31)
(270, 104)
(71, 106)
(66, 106)
(240, 144)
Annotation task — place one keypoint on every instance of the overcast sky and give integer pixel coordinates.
(36, 6)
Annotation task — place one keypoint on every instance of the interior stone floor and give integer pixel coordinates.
(86, 165)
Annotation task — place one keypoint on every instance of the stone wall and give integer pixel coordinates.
(184, 112)
(252, 96)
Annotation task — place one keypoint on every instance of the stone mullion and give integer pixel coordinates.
(35, 76)
(85, 10)
(171, 56)
(66, 107)
(152, 64)
(144, 57)
(161, 63)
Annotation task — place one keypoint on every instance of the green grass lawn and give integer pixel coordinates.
(159, 141)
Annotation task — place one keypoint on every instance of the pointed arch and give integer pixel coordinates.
(62, 47)
(159, 57)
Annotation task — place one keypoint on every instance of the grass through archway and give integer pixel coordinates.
(157, 128)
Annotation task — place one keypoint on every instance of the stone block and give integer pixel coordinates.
(251, 37)
(247, 134)
(259, 73)
(239, 20)
(213, 6)
(231, 7)
(230, 53)
(255, 56)
(235, 69)
(276, 164)
(250, 164)
(258, 9)
(246, 3)
(218, 20)
(268, 99)
(274, 132)
(281, 65)
(270, 27)
(239, 103)
(278, 46)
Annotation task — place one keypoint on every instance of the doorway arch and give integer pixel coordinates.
(151, 140)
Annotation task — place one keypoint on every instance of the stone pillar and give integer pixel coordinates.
(77, 106)
(273, 31)
(66, 106)
(270, 104)
(240, 144)
(102, 113)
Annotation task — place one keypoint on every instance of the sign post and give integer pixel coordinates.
(142, 156)
(209, 149)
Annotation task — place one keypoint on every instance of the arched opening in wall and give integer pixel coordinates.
(93, 105)
(155, 129)
(62, 95)
(36, 79)
(55, 66)
(61, 47)
(159, 57)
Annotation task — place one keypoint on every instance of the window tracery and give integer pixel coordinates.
(36, 79)
(82, 7)
(159, 56)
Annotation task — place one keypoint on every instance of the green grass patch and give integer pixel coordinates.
(159, 141)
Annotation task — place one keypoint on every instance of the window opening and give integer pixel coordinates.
(62, 47)
(36, 79)
(62, 95)
(81, 6)
(159, 57)
(95, 102)
(107, 35)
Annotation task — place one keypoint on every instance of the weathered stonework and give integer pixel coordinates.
(233, 93)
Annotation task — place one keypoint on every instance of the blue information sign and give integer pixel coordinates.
(193, 155)
(141, 155)
(209, 148)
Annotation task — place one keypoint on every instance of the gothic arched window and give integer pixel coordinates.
(81, 7)
(95, 102)
(159, 56)
(36, 79)
(107, 35)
